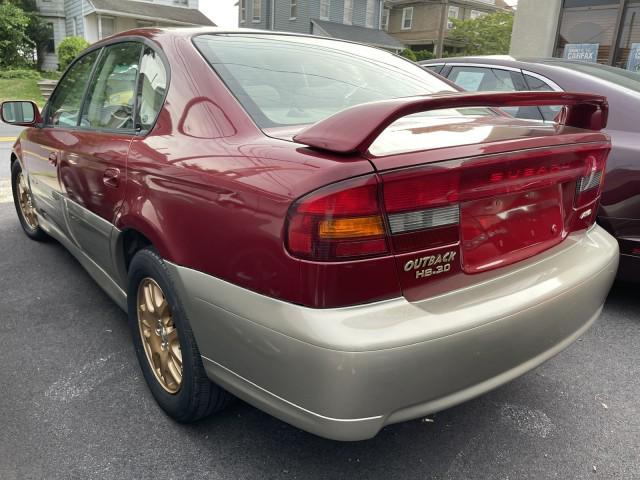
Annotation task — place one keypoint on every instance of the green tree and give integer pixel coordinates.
(15, 44)
(69, 49)
(38, 31)
(486, 35)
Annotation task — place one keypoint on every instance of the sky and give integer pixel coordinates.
(225, 14)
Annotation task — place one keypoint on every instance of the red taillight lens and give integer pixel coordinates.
(340, 222)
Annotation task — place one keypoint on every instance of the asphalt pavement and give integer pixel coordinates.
(73, 403)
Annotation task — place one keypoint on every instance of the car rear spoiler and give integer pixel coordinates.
(355, 129)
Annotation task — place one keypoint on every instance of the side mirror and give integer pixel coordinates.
(23, 113)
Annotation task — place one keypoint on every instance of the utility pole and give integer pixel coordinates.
(444, 17)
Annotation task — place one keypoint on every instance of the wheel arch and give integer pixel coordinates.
(131, 237)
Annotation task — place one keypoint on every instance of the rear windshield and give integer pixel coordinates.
(287, 80)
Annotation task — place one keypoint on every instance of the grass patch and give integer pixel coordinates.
(20, 89)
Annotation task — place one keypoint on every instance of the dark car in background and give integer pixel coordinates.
(620, 207)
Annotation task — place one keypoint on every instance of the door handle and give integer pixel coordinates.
(53, 158)
(111, 177)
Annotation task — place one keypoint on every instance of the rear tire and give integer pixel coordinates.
(23, 201)
(164, 343)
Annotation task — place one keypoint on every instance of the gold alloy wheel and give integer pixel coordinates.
(159, 335)
(26, 202)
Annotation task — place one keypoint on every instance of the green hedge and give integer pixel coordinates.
(20, 73)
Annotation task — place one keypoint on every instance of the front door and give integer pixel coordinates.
(42, 146)
(93, 168)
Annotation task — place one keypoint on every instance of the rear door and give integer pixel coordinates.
(93, 167)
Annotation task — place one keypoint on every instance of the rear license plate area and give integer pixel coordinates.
(505, 229)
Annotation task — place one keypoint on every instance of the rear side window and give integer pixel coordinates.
(111, 97)
(478, 79)
(152, 86)
(537, 85)
(65, 105)
(433, 68)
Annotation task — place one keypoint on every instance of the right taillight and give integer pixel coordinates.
(337, 223)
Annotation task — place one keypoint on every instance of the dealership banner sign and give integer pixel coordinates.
(583, 52)
(634, 58)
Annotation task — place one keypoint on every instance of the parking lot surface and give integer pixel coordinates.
(74, 403)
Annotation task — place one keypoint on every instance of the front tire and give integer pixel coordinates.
(23, 201)
(164, 343)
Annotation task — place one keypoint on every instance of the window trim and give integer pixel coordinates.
(367, 10)
(243, 11)
(553, 85)
(328, 4)
(145, 42)
(293, 4)
(404, 17)
(384, 19)
(348, 20)
(254, 18)
(449, 17)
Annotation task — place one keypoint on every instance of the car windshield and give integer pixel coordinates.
(288, 80)
(624, 78)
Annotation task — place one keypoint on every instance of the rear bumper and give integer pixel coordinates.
(345, 373)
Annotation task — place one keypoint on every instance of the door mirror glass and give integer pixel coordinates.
(23, 112)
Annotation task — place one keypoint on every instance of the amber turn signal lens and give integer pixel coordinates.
(351, 227)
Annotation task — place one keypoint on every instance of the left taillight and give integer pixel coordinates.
(340, 222)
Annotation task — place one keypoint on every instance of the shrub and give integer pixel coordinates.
(408, 54)
(21, 73)
(69, 49)
(423, 55)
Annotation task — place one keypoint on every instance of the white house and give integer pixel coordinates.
(97, 19)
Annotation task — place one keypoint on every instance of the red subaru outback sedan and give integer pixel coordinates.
(320, 228)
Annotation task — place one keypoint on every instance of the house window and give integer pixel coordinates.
(348, 12)
(476, 14)
(106, 26)
(243, 11)
(51, 43)
(76, 26)
(454, 12)
(181, 2)
(325, 6)
(144, 23)
(407, 18)
(293, 10)
(371, 13)
(257, 11)
(384, 21)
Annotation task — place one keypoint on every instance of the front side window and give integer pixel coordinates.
(348, 12)
(407, 18)
(287, 80)
(110, 99)
(325, 6)
(370, 13)
(152, 85)
(66, 101)
(257, 10)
